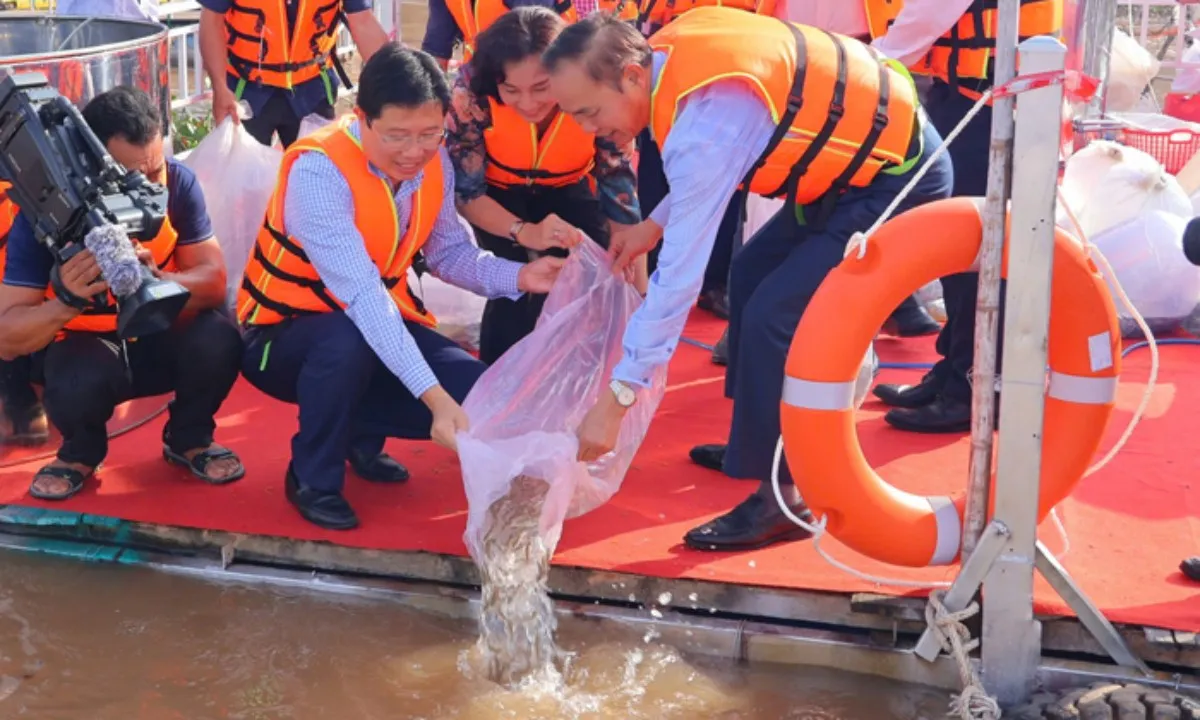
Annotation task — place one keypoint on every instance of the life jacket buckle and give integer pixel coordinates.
(837, 110)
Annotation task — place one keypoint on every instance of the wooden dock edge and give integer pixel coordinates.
(880, 623)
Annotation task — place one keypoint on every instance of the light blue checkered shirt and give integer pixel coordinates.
(319, 211)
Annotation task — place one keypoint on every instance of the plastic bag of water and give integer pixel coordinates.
(525, 409)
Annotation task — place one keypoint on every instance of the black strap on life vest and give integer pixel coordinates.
(837, 110)
(315, 286)
(979, 40)
(245, 68)
(878, 125)
(795, 100)
(531, 176)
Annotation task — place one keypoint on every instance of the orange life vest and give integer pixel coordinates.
(842, 114)
(281, 283)
(260, 48)
(104, 320)
(475, 16)
(965, 52)
(654, 14)
(564, 155)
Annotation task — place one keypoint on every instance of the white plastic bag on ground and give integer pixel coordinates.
(1146, 254)
(867, 372)
(1109, 185)
(526, 408)
(459, 312)
(1131, 69)
(237, 175)
(310, 123)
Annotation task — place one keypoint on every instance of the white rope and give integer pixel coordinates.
(1094, 252)
(973, 703)
(858, 241)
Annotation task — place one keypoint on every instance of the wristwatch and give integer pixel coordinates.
(625, 395)
(515, 230)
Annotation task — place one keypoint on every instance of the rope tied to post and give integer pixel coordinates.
(973, 703)
(1076, 86)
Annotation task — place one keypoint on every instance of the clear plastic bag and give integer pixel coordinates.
(459, 312)
(1146, 254)
(1187, 78)
(1112, 185)
(526, 408)
(311, 123)
(238, 175)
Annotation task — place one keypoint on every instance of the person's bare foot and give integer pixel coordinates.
(59, 480)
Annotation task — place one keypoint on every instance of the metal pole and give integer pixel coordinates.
(987, 307)
(1095, 22)
(1011, 635)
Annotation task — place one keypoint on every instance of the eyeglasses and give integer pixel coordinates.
(425, 141)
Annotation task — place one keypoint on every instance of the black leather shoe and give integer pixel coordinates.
(1191, 568)
(720, 353)
(911, 320)
(323, 509)
(715, 302)
(910, 396)
(940, 416)
(756, 523)
(709, 456)
(381, 468)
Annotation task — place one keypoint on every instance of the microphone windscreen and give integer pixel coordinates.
(115, 254)
(1191, 241)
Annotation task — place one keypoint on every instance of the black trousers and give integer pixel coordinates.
(86, 378)
(506, 321)
(277, 116)
(16, 386)
(969, 153)
(652, 188)
(347, 397)
(774, 277)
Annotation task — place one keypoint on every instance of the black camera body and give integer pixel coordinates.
(67, 185)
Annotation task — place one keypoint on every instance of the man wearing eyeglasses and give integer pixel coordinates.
(331, 323)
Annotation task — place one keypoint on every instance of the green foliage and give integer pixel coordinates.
(189, 128)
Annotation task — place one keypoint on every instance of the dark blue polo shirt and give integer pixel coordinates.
(29, 262)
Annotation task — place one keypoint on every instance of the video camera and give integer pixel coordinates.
(77, 197)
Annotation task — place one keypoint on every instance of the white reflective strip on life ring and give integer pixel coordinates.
(949, 530)
(814, 395)
(1082, 390)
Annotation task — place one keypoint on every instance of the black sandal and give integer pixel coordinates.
(75, 480)
(198, 465)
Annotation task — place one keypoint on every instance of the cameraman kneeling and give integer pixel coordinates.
(88, 370)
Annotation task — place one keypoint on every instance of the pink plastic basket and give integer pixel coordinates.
(1172, 148)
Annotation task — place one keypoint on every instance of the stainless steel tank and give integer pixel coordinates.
(85, 56)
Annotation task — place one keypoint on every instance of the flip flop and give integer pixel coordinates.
(198, 465)
(75, 481)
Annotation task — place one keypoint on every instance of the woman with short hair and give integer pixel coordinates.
(528, 177)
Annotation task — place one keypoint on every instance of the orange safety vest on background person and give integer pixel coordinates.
(104, 320)
(475, 16)
(842, 114)
(657, 13)
(280, 282)
(564, 155)
(965, 51)
(260, 49)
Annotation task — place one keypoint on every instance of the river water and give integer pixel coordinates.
(82, 641)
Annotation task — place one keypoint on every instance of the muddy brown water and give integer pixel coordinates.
(83, 641)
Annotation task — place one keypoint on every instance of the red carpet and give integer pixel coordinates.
(1128, 525)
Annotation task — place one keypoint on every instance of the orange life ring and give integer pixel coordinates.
(821, 445)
